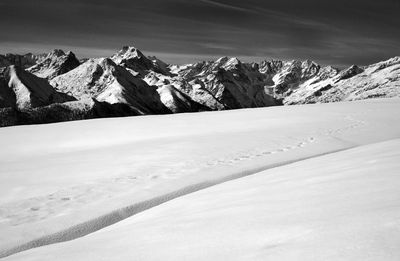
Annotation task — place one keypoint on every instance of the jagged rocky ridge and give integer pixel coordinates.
(57, 86)
(54, 64)
(24, 61)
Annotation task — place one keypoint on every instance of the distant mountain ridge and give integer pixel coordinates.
(57, 86)
(55, 63)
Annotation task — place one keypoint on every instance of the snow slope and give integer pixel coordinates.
(105, 81)
(377, 80)
(341, 206)
(63, 181)
(55, 63)
(225, 83)
(23, 90)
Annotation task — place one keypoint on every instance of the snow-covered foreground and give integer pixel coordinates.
(63, 181)
(342, 206)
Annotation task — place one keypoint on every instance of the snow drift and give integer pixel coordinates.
(79, 177)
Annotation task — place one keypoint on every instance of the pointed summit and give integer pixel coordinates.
(222, 60)
(55, 63)
(271, 66)
(134, 60)
(231, 63)
(226, 63)
(126, 53)
(349, 72)
(309, 68)
(57, 53)
(106, 81)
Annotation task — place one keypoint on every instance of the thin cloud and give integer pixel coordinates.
(357, 31)
(228, 6)
(217, 46)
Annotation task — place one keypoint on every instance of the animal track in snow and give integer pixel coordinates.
(355, 123)
(245, 156)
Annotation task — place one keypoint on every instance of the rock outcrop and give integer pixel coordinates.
(23, 90)
(54, 64)
(129, 83)
(106, 81)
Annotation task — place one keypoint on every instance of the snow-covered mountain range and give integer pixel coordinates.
(57, 86)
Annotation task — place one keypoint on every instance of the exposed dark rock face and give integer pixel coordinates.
(23, 61)
(350, 72)
(23, 90)
(69, 111)
(54, 64)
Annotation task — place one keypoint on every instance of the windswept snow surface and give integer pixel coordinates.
(342, 206)
(62, 181)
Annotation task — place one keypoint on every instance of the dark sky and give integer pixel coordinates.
(336, 32)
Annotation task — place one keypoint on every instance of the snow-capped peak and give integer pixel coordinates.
(384, 64)
(55, 63)
(270, 67)
(222, 60)
(349, 72)
(24, 90)
(56, 53)
(309, 64)
(231, 63)
(146, 83)
(134, 60)
(226, 63)
(127, 52)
